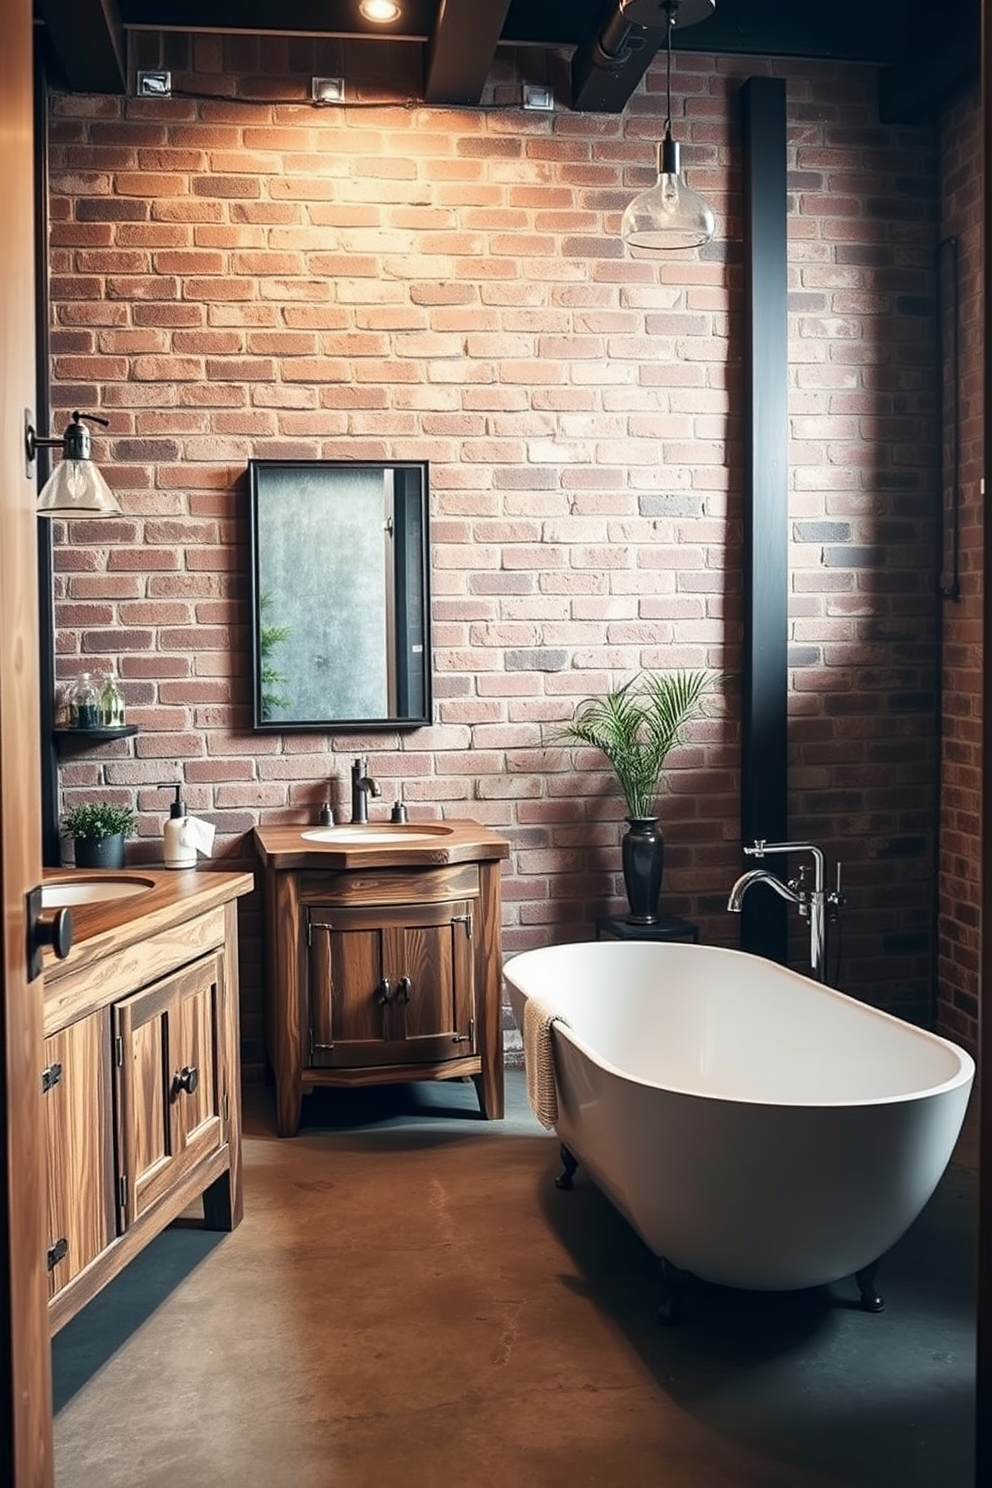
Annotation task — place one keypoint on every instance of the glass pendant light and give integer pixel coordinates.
(669, 215)
(75, 487)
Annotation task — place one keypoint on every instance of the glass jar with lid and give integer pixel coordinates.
(84, 703)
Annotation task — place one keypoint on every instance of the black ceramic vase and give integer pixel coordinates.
(100, 852)
(643, 857)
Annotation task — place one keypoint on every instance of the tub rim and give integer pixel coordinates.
(966, 1064)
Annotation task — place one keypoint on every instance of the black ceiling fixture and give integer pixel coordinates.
(609, 50)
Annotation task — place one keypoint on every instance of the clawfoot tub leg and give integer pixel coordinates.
(870, 1299)
(671, 1305)
(569, 1165)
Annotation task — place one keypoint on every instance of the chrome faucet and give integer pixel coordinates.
(362, 786)
(812, 902)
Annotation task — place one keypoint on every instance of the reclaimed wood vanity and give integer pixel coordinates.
(383, 958)
(142, 1069)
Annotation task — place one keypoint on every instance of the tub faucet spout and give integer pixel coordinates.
(362, 786)
(759, 875)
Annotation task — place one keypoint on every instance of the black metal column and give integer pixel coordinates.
(764, 799)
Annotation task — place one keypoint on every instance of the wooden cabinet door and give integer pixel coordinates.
(80, 1146)
(170, 1058)
(391, 986)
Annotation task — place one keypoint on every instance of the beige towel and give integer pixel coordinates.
(539, 1060)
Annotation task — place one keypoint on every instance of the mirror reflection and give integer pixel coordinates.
(340, 594)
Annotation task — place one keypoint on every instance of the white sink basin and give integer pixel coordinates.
(371, 835)
(63, 892)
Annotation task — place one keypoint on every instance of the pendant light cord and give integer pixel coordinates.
(668, 69)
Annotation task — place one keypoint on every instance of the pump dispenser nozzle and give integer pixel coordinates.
(178, 845)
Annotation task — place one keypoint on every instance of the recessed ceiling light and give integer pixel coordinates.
(380, 11)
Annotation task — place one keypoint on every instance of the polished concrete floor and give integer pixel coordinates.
(410, 1301)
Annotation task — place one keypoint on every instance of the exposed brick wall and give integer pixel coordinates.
(960, 842)
(249, 278)
(863, 452)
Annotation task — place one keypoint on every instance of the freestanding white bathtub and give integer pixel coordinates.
(757, 1129)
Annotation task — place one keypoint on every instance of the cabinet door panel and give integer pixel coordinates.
(81, 1183)
(391, 986)
(169, 1108)
(346, 967)
(195, 1099)
(147, 1048)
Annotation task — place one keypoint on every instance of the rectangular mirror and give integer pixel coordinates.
(340, 602)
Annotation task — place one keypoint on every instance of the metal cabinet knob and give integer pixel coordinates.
(383, 992)
(404, 989)
(187, 1079)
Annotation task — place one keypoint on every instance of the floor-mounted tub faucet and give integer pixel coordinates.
(812, 902)
(362, 786)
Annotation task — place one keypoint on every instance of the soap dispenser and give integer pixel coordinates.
(180, 848)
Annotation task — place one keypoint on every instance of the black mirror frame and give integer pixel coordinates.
(412, 593)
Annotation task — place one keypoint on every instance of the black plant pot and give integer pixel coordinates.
(643, 857)
(100, 852)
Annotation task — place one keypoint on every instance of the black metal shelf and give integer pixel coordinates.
(85, 738)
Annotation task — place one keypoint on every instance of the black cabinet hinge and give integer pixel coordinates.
(50, 1077)
(57, 1252)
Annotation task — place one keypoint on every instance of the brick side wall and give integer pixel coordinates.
(253, 278)
(960, 855)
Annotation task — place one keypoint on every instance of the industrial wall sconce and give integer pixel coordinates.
(669, 215)
(75, 487)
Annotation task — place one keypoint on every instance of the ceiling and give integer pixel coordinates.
(922, 65)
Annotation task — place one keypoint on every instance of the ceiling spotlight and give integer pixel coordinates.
(669, 215)
(381, 12)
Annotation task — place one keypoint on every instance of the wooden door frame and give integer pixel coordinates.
(25, 1392)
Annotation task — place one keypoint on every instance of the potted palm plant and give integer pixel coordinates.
(98, 830)
(636, 726)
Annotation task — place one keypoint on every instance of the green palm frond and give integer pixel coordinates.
(637, 725)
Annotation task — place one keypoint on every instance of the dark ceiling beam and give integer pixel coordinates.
(608, 65)
(461, 49)
(87, 40)
(277, 17)
(881, 31)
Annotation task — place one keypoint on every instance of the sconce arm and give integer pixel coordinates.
(75, 442)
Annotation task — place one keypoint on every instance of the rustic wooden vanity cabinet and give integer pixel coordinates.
(383, 959)
(142, 1075)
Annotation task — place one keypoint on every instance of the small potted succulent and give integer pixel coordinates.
(98, 830)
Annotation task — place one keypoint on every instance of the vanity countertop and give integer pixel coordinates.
(164, 898)
(378, 844)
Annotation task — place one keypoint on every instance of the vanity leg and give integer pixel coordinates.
(490, 1093)
(289, 1107)
(223, 1207)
